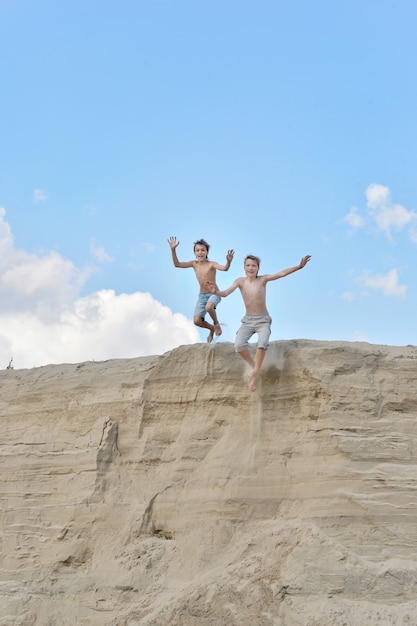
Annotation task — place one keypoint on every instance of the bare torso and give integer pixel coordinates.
(253, 292)
(205, 272)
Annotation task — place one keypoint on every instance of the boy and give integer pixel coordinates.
(257, 320)
(205, 271)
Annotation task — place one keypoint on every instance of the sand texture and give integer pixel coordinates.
(159, 491)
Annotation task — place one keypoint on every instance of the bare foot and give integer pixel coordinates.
(210, 335)
(217, 329)
(252, 381)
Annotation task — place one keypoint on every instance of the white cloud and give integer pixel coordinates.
(99, 253)
(387, 216)
(38, 196)
(6, 238)
(377, 195)
(387, 283)
(97, 327)
(41, 284)
(348, 296)
(44, 320)
(383, 213)
(354, 219)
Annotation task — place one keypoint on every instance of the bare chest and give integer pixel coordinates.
(253, 290)
(204, 271)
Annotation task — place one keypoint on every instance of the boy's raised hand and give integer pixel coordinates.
(304, 261)
(173, 243)
(229, 255)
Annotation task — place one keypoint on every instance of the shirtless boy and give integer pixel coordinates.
(205, 272)
(257, 320)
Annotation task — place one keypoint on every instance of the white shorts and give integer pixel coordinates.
(251, 324)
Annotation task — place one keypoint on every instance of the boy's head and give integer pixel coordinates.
(202, 243)
(251, 259)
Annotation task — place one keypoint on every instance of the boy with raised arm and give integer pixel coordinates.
(205, 272)
(257, 320)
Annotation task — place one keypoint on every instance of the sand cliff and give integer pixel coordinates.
(159, 491)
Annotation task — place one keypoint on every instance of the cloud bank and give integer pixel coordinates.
(382, 216)
(44, 320)
(386, 283)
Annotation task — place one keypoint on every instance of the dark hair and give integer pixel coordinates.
(252, 257)
(202, 242)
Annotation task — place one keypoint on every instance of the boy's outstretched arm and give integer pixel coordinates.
(289, 270)
(229, 259)
(173, 243)
(226, 292)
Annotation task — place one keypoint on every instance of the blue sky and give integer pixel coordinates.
(278, 129)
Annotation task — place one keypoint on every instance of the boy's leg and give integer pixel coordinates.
(263, 328)
(199, 313)
(201, 322)
(211, 310)
(251, 325)
(243, 335)
(259, 359)
(246, 356)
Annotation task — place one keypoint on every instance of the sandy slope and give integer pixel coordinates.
(159, 491)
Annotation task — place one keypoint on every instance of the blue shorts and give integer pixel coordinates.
(203, 298)
(251, 324)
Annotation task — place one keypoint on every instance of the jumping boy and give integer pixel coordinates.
(205, 271)
(257, 320)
